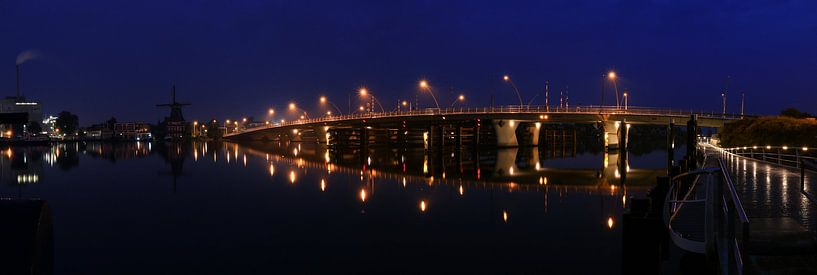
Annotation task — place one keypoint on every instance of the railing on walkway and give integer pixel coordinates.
(812, 166)
(791, 157)
(732, 225)
(516, 109)
(726, 225)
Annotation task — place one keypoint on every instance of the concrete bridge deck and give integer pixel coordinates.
(506, 123)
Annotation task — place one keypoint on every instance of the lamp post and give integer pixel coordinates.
(518, 96)
(725, 90)
(612, 76)
(460, 98)
(324, 100)
(424, 85)
(625, 100)
(293, 107)
(364, 92)
(723, 97)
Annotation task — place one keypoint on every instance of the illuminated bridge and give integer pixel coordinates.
(501, 126)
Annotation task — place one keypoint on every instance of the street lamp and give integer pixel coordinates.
(460, 98)
(324, 100)
(508, 79)
(293, 107)
(723, 96)
(424, 86)
(365, 92)
(271, 111)
(612, 76)
(625, 100)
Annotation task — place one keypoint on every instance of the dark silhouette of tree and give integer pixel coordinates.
(67, 122)
(110, 123)
(34, 127)
(795, 113)
(213, 130)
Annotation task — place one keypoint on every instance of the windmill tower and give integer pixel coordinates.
(175, 125)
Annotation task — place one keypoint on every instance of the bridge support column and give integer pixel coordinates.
(321, 134)
(611, 138)
(616, 135)
(294, 135)
(506, 133)
(623, 136)
(534, 131)
(458, 138)
(692, 142)
(670, 145)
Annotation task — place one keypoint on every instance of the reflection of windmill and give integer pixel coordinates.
(175, 155)
(175, 126)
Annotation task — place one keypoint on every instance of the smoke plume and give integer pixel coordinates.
(26, 56)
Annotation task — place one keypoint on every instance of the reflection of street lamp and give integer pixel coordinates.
(508, 79)
(424, 86)
(460, 98)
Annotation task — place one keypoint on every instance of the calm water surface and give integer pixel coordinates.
(139, 208)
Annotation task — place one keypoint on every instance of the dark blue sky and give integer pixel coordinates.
(235, 58)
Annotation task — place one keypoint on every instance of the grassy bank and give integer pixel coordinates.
(776, 131)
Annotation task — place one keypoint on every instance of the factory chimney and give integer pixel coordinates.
(18, 80)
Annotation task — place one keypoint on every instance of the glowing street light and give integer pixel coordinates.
(507, 78)
(324, 100)
(613, 77)
(294, 108)
(625, 100)
(271, 111)
(460, 98)
(424, 86)
(372, 99)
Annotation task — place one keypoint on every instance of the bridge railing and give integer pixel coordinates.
(540, 109)
(791, 157)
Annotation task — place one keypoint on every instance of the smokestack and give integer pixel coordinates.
(18, 80)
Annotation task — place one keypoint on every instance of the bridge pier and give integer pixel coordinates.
(321, 133)
(294, 135)
(534, 132)
(506, 133)
(615, 135)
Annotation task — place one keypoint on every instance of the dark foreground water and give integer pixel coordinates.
(141, 208)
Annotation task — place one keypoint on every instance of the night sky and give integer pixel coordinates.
(237, 58)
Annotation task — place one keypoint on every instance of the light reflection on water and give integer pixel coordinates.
(115, 203)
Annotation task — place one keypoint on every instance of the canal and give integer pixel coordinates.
(137, 208)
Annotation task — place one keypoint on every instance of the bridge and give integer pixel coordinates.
(501, 126)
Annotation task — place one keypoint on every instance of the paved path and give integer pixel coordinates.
(781, 218)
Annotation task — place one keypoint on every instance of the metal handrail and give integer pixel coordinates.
(729, 241)
(603, 110)
(803, 165)
(731, 247)
(781, 155)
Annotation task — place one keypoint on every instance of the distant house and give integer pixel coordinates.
(98, 132)
(132, 131)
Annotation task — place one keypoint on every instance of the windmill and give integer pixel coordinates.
(175, 107)
(175, 123)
